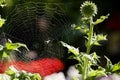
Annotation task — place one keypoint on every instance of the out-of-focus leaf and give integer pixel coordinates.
(14, 74)
(14, 46)
(1, 1)
(78, 27)
(37, 77)
(16, 79)
(75, 78)
(5, 55)
(116, 67)
(10, 72)
(2, 21)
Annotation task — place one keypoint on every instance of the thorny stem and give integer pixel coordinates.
(90, 36)
(85, 68)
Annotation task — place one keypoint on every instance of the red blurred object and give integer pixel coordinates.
(114, 21)
(2, 67)
(44, 67)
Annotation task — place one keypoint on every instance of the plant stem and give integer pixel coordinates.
(90, 37)
(85, 68)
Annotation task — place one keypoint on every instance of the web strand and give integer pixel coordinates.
(39, 26)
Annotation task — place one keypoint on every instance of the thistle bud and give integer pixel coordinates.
(88, 9)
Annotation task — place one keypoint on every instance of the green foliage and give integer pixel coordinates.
(97, 38)
(75, 78)
(102, 18)
(2, 21)
(72, 49)
(81, 57)
(87, 60)
(14, 46)
(6, 51)
(109, 66)
(13, 74)
(96, 73)
(116, 68)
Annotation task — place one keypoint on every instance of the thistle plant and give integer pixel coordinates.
(88, 9)
(86, 60)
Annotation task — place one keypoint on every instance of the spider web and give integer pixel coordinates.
(38, 25)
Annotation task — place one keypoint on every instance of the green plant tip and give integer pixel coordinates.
(88, 9)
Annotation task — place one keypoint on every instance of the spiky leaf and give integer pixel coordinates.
(71, 49)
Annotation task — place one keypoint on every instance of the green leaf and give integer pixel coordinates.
(79, 67)
(5, 55)
(71, 49)
(102, 18)
(11, 46)
(78, 27)
(10, 72)
(92, 58)
(97, 38)
(116, 67)
(95, 58)
(37, 76)
(96, 43)
(14, 46)
(86, 31)
(2, 21)
(96, 73)
(109, 66)
(75, 78)
(101, 37)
